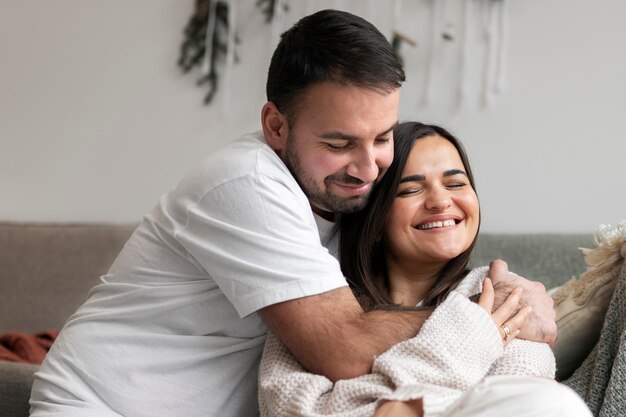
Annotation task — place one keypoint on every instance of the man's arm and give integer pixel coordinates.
(541, 324)
(331, 335)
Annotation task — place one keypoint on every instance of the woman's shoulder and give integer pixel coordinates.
(473, 281)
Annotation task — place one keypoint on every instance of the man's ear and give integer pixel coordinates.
(275, 127)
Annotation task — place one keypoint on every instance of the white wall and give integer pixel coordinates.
(96, 120)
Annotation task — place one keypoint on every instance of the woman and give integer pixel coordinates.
(410, 247)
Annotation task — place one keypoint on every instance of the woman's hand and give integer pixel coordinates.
(412, 408)
(541, 323)
(508, 316)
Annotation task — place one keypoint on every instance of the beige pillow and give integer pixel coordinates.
(581, 304)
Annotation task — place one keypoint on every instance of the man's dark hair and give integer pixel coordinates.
(334, 46)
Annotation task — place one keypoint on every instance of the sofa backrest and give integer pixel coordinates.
(46, 270)
(549, 258)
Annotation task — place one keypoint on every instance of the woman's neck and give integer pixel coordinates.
(409, 287)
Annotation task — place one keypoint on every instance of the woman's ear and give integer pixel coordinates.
(275, 127)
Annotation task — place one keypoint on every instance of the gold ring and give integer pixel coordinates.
(506, 331)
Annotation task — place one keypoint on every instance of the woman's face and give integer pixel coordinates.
(435, 214)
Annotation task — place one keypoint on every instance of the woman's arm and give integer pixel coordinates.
(455, 349)
(330, 334)
(287, 389)
(522, 357)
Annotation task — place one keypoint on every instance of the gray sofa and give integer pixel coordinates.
(46, 271)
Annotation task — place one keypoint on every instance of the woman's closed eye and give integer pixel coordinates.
(409, 191)
(456, 185)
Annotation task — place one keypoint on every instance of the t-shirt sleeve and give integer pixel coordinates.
(257, 238)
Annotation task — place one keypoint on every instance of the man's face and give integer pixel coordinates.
(340, 144)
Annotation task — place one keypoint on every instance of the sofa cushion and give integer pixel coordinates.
(16, 380)
(550, 258)
(581, 304)
(46, 270)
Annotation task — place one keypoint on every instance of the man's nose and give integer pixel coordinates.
(364, 165)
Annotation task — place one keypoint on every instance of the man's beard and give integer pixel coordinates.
(324, 199)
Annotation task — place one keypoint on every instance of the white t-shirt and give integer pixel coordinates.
(172, 329)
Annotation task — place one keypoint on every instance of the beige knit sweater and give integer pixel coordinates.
(455, 349)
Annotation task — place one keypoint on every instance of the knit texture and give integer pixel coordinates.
(601, 379)
(455, 349)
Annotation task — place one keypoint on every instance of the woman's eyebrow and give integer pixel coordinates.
(410, 178)
(451, 172)
(418, 177)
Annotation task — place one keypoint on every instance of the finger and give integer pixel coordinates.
(505, 332)
(508, 307)
(519, 319)
(506, 338)
(512, 327)
(498, 270)
(487, 296)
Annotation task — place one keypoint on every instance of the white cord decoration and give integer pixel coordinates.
(500, 80)
(434, 32)
(463, 93)
(480, 31)
(495, 29)
(477, 31)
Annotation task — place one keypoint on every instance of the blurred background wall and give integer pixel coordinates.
(97, 120)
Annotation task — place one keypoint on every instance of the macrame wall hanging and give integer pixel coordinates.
(455, 47)
(461, 50)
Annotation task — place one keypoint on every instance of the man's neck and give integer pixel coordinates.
(326, 215)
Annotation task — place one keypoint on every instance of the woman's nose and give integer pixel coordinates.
(438, 199)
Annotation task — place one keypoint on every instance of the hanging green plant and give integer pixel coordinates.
(210, 24)
(268, 8)
(193, 48)
(397, 39)
(203, 27)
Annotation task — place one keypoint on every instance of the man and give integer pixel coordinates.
(245, 241)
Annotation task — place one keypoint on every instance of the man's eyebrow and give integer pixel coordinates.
(337, 135)
(396, 124)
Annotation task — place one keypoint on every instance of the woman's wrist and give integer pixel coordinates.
(411, 408)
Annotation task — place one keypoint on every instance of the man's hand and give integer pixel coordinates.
(540, 325)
